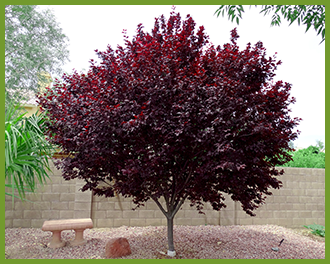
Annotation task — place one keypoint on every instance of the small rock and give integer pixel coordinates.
(117, 247)
(171, 253)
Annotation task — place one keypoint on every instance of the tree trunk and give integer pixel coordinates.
(171, 251)
(171, 211)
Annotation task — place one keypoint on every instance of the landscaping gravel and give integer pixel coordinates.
(191, 242)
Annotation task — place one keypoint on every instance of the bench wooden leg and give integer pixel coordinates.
(56, 241)
(79, 238)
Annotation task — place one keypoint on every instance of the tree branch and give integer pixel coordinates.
(186, 181)
(167, 202)
(177, 205)
(174, 193)
(160, 206)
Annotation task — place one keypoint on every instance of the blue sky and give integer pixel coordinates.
(303, 59)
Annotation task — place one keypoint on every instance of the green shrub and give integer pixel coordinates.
(311, 157)
(317, 229)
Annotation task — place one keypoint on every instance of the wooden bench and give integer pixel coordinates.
(57, 226)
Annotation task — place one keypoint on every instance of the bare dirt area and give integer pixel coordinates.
(191, 242)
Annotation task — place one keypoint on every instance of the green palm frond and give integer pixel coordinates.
(27, 151)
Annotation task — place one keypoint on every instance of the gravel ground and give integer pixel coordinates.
(191, 242)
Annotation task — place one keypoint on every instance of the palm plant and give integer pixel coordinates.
(27, 151)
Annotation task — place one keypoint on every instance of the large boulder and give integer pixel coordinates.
(117, 247)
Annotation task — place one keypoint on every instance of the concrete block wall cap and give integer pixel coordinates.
(67, 224)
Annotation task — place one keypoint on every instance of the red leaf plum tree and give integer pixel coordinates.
(172, 118)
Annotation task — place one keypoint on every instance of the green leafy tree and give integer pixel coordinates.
(34, 43)
(26, 151)
(308, 15)
(320, 145)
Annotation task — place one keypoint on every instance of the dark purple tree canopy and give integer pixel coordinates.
(169, 115)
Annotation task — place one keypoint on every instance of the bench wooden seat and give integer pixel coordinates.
(57, 226)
